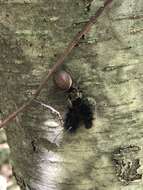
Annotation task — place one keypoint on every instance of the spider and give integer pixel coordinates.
(80, 111)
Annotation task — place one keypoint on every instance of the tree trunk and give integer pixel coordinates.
(106, 64)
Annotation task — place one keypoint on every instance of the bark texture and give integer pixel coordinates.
(107, 65)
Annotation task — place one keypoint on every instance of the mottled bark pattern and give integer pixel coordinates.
(127, 163)
(106, 64)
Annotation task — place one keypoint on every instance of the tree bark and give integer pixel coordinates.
(106, 64)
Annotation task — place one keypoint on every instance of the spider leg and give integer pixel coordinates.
(88, 122)
(71, 121)
(87, 113)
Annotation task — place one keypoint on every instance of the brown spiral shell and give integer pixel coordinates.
(63, 80)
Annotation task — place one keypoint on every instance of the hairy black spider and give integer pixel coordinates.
(79, 111)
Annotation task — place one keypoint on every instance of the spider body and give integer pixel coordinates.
(80, 111)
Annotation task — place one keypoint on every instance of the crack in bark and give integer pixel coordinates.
(132, 17)
(136, 30)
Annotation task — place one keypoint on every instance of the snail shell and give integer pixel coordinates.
(63, 80)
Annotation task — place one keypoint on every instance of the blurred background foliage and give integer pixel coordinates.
(5, 165)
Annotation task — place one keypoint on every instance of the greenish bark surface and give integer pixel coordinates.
(107, 65)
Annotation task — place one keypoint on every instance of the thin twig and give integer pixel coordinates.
(59, 62)
(53, 110)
